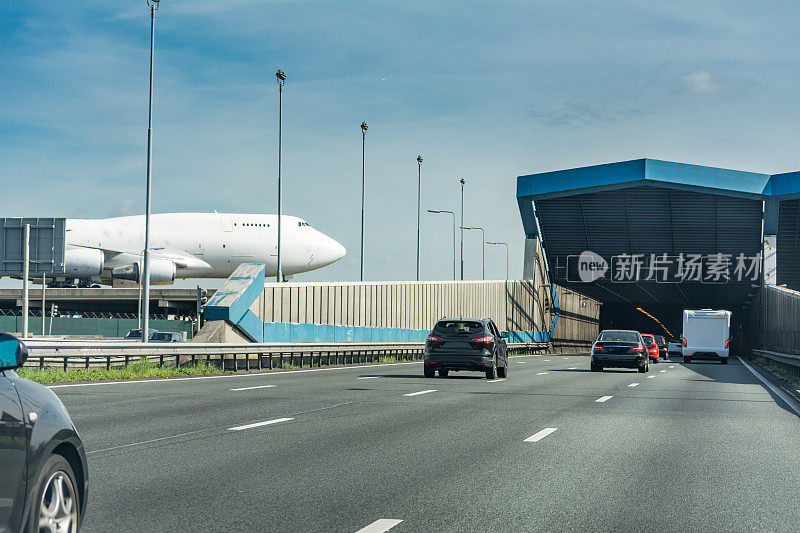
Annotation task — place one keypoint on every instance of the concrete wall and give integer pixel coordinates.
(106, 327)
(775, 320)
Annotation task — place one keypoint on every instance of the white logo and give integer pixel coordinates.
(591, 267)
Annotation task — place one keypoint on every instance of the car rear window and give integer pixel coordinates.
(618, 336)
(161, 336)
(458, 327)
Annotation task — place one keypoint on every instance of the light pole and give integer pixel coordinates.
(419, 204)
(454, 237)
(506, 298)
(145, 274)
(281, 80)
(483, 249)
(462, 181)
(363, 159)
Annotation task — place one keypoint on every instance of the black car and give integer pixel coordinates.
(663, 346)
(43, 475)
(466, 344)
(620, 348)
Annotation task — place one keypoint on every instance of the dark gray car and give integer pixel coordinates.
(620, 348)
(43, 474)
(466, 344)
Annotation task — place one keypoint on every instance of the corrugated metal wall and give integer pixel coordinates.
(775, 320)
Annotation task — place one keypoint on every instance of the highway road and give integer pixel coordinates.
(697, 447)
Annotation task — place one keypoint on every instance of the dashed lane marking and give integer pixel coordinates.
(419, 392)
(602, 399)
(259, 424)
(256, 387)
(633, 385)
(536, 437)
(380, 526)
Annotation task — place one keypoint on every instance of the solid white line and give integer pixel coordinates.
(369, 377)
(602, 399)
(541, 373)
(633, 385)
(222, 376)
(782, 395)
(662, 371)
(380, 526)
(420, 392)
(650, 377)
(259, 424)
(573, 368)
(256, 387)
(536, 437)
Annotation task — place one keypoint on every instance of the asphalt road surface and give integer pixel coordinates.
(699, 447)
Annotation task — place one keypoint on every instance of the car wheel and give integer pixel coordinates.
(429, 371)
(502, 371)
(491, 373)
(655, 361)
(687, 359)
(443, 372)
(595, 367)
(724, 360)
(55, 503)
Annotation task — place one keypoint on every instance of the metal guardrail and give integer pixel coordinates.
(790, 362)
(246, 356)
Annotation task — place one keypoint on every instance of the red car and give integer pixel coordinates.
(652, 347)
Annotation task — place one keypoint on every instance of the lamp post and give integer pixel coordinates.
(454, 237)
(281, 80)
(462, 181)
(483, 249)
(363, 159)
(145, 274)
(506, 245)
(419, 204)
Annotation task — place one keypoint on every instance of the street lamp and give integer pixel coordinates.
(454, 237)
(281, 80)
(506, 245)
(419, 204)
(363, 151)
(483, 249)
(462, 181)
(154, 5)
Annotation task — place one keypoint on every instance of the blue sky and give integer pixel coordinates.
(483, 90)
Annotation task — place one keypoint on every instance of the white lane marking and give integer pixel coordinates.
(548, 360)
(380, 526)
(495, 380)
(573, 368)
(369, 377)
(602, 399)
(222, 376)
(650, 377)
(259, 424)
(541, 373)
(633, 385)
(420, 392)
(256, 387)
(662, 371)
(565, 358)
(536, 437)
(672, 366)
(783, 396)
(522, 362)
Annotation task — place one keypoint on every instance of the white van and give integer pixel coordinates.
(706, 334)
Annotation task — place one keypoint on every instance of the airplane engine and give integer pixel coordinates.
(162, 272)
(83, 262)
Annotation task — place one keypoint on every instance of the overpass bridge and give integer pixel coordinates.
(663, 235)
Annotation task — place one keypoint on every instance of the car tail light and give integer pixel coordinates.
(597, 349)
(727, 341)
(483, 340)
(636, 349)
(683, 341)
(434, 338)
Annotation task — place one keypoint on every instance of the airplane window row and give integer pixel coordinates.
(252, 225)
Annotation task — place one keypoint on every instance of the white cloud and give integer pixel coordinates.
(701, 82)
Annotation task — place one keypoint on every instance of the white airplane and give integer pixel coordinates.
(190, 245)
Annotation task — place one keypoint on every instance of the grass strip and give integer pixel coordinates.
(139, 369)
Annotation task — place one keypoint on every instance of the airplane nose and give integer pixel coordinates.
(329, 251)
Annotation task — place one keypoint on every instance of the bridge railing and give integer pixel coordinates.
(245, 356)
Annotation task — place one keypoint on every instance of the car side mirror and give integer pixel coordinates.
(504, 334)
(13, 352)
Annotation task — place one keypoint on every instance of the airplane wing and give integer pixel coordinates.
(182, 260)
